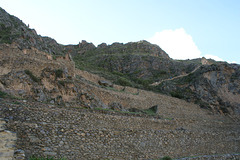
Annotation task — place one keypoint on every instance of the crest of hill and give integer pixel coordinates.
(211, 84)
(13, 30)
(58, 110)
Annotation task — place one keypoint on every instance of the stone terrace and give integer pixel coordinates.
(77, 133)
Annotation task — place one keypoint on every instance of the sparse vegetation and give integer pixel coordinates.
(138, 111)
(54, 57)
(203, 104)
(61, 83)
(42, 158)
(58, 73)
(6, 95)
(177, 94)
(123, 82)
(3, 94)
(149, 112)
(5, 34)
(125, 65)
(166, 158)
(59, 114)
(30, 74)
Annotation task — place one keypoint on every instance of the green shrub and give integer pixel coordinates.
(163, 72)
(42, 158)
(3, 94)
(149, 112)
(166, 158)
(123, 82)
(5, 34)
(34, 78)
(177, 94)
(59, 73)
(202, 104)
(6, 95)
(62, 83)
(144, 82)
(54, 57)
(118, 73)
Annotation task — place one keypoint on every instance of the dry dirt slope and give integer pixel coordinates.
(70, 131)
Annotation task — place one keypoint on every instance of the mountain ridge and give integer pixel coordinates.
(136, 64)
(86, 102)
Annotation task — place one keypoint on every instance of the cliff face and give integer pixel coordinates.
(216, 87)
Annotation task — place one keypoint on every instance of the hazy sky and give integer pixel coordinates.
(183, 28)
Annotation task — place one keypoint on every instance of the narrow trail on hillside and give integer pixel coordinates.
(180, 76)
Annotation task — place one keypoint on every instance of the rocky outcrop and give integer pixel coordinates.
(32, 74)
(105, 83)
(143, 66)
(51, 87)
(79, 49)
(216, 87)
(13, 30)
(132, 47)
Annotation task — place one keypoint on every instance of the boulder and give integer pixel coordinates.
(115, 106)
(105, 83)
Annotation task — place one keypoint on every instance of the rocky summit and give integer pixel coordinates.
(118, 101)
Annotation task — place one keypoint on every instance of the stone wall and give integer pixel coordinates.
(8, 143)
(76, 133)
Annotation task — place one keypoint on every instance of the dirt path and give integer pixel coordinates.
(170, 79)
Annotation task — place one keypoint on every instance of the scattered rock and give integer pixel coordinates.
(136, 110)
(50, 153)
(105, 83)
(115, 106)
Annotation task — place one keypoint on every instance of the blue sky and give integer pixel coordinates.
(183, 28)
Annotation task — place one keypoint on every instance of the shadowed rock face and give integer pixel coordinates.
(215, 87)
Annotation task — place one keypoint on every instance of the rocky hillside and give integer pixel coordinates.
(140, 64)
(59, 111)
(215, 87)
(57, 107)
(212, 85)
(35, 75)
(13, 30)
